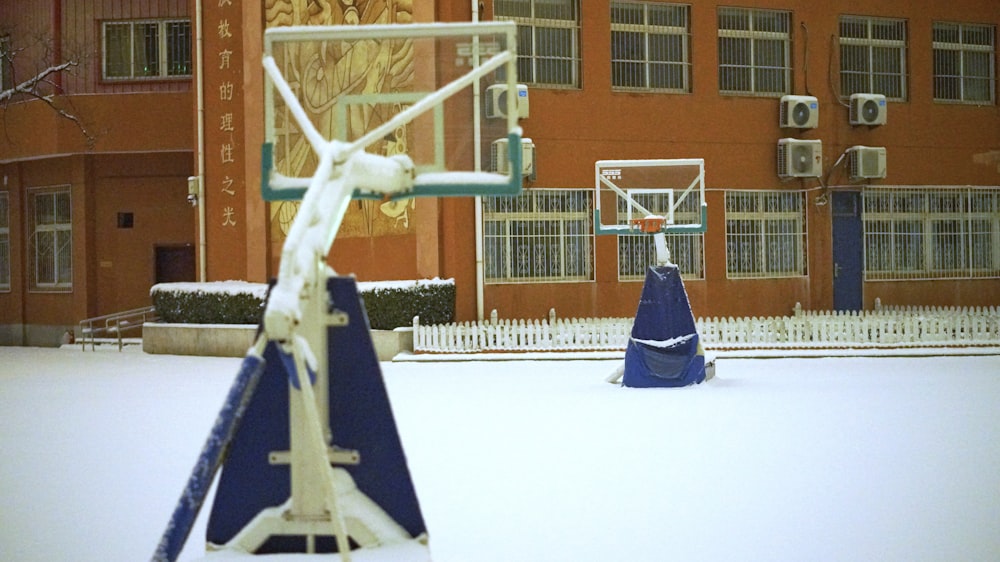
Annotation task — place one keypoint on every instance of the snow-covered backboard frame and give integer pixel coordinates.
(650, 196)
(427, 91)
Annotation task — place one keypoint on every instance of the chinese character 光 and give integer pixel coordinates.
(227, 217)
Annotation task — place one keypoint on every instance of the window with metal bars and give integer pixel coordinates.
(964, 62)
(135, 50)
(4, 241)
(650, 46)
(919, 233)
(52, 239)
(765, 234)
(873, 56)
(548, 40)
(636, 252)
(754, 51)
(542, 235)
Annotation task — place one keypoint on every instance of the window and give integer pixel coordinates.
(52, 239)
(4, 241)
(650, 46)
(541, 235)
(135, 50)
(636, 252)
(964, 62)
(548, 40)
(765, 234)
(873, 56)
(931, 234)
(6, 80)
(754, 47)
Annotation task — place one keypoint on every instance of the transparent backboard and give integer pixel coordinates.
(434, 92)
(649, 196)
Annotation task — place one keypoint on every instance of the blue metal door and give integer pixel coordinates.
(848, 257)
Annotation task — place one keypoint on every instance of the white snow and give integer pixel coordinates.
(833, 459)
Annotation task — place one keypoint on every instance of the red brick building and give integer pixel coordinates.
(607, 80)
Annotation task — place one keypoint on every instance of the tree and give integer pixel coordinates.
(42, 83)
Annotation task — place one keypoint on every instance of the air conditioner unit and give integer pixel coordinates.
(496, 101)
(799, 158)
(799, 112)
(866, 162)
(500, 160)
(867, 109)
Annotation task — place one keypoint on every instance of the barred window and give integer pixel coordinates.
(636, 252)
(52, 239)
(146, 49)
(541, 235)
(4, 241)
(548, 40)
(873, 56)
(765, 234)
(754, 47)
(913, 233)
(964, 66)
(650, 46)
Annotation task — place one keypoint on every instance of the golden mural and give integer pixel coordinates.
(323, 74)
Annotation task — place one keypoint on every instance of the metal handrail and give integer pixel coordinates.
(114, 324)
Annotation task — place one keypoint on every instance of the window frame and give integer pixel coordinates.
(62, 273)
(163, 50)
(6, 77)
(530, 27)
(870, 44)
(505, 220)
(963, 49)
(754, 67)
(759, 233)
(5, 257)
(647, 30)
(918, 219)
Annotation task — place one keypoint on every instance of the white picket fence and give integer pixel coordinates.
(890, 327)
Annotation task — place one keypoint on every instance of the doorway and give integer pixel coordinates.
(175, 263)
(848, 250)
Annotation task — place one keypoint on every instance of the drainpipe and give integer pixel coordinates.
(200, 96)
(477, 166)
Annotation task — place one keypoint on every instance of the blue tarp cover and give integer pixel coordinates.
(664, 348)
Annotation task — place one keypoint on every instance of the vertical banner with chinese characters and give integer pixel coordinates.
(225, 186)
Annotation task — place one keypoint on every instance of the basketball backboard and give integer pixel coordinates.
(429, 91)
(649, 196)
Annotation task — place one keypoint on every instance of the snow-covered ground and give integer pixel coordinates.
(833, 459)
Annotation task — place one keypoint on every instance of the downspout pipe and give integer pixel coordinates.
(477, 162)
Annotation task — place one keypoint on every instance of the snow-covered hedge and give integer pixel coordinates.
(390, 304)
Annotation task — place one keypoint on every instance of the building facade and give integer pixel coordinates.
(878, 181)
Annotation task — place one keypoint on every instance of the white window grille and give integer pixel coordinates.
(146, 49)
(920, 233)
(765, 234)
(650, 46)
(4, 241)
(964, 62)
(754, 47)
(548, 37)
(873, 56)
(636, 252)
(52, 239)
(542, 235)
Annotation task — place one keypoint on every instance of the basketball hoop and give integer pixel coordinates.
(649, 225)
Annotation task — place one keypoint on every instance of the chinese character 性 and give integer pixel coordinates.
(227, 152)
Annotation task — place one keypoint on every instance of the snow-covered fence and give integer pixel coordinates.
(884, 327)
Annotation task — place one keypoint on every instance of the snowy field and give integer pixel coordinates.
(837, 459)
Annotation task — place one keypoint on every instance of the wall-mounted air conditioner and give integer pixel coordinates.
(868, 109)
(799, 112)
(496, 101)
(500, 159)
(866, 162)
(799, 158)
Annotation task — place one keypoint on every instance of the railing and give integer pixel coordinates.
(890, 327)
(113, 326)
